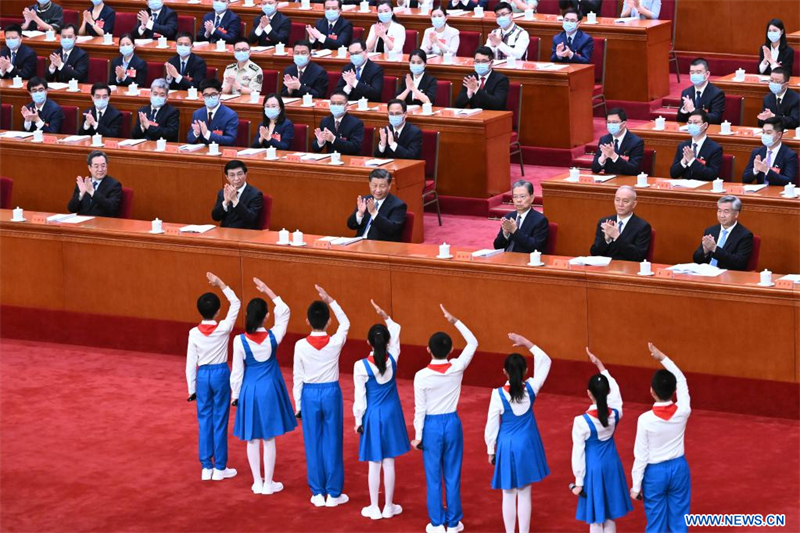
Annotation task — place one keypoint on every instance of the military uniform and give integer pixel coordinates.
(251, 76)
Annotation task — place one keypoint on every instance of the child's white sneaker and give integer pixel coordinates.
(318, 500)
(206, 474)
(372, 512)
(219, 475)
(391, 510)
(334, 502)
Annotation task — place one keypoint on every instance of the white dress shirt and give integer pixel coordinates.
(447, 41)
(699, 144)
(211, 349)
(696, 90)
(360, 217)
(360, 376)
(517, 45)
(149, 26)
(395, 31)
(541, 368)
(437, 393)
(659, 440)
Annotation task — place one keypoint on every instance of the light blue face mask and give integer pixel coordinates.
(67, 43)
(774, 36)
(272, 112)
(211, 101)
(268, 9)
(613, 127)
(101, 103)
(183, 50)
(437, 22)
(158, 101)
(126, 49)
(697, 79)
(481, 68)
(569, 26)
(13, 44)
(395, 120)
(301, 60)
(337, 110)
(694, 129)
(504, 21)
(43, 2)
(357, 59)
(331, 14)
(775, 88)
(39, 98)
(155, 5)
(767, 139)
(219, 7)
(97, 2)
(417, 68)
(385, 16)
(242, 55)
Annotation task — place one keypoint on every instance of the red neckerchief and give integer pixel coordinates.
(207, 329)
(318, 342)
(440, 368)
(665, 412)
(257, 337)
(593, 412)
(371, 360)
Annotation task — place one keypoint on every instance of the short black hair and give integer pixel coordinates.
(484, 51)
(304, 42)
(233, 164)
(664, 384)
(699, 113)
(440, 344)
(318, 314)
(570, 10)
(502, 5)
(241, 40)
(783, 71)
(777, 122)
(623, 116)
(209, 83)
(69, 26)
(101, 85)
(184, 34)
(338, 92)
(380, 174)
(208, 305)
(362, 43)
(700, 61)
(94, 154)
(35, 82)
(420, 53)
(337, 1)
(397, 101)
(13, 27)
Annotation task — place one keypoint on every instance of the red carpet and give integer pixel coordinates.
(103, 440)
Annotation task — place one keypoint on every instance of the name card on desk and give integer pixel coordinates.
(293, 158)
(229, 152)
(112, 144)
(560, 263)
(41, 219)
(662, 185)
(358, 162)
(447, 113)
(784, 284)
(585, 179)
(172, 231)
(171, 149)
(665, 273)
(734, 189)
(321, 243)
(463, 256)
(50, 139)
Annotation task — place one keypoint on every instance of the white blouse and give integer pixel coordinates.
(448, 41)
(396, 32)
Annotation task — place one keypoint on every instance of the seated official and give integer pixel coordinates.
(340, 131)
(276, 131)
(239, 204)
(440, 38)
(332, 31)
(418, 87)
(304, 76)
(525, 230)
(243, 76)
(185, 69)
(509, 39)
(214, 122)
(572, 45)
(702, 94)
(622, 236)
(699, 158)
(581, 7)
(380, 216)
(127, 68)
(16, 59)
(485, 88)
(361, 78)
(727, 245)
(643, 9)
(621, 151)
(386, 35)
(781, 101)
(157, 21)
(43, 16)
(68, 62)
(102, 118)
(466, 5)
(159, 120)
(400, 139)
(774, 163)
(270, 28)
(98, 20)
(42, 113)
(98, 194)
(775, 52)
(220, 25)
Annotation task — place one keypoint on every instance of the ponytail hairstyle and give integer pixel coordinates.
(599, 387)
(378, 338)
(257, 310)
(516, 367)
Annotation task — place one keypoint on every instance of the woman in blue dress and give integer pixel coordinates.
(512, 437)
(600, 482)
(258, 389)
(379, 415)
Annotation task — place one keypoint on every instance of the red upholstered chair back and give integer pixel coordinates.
(726, 171)
(40, 66)
(6, 185)
(358, 34)
(610, 8)
(70, 124)
(469, 41)
(125, 130)
(154, 71)
(552, 238)
(389, 88)
(548, 6)
(333, 80)
(752, 262)
(444, 93)
(269, 84)
(652, 247)
(300, 141)
(649, 162)
(266, 213)
(534, 49)
(599, 60)
(297, 33)
(412, 41)
(243, 134)
(368, 143)
(72, 16)
(668, 10)
(211, 73)
(6, 117)
(796, 64)
(734, 109)
(430, 153)
(491, 5)
(408, 227)
(125, 23)
(187, 23)
(514, 104)
(125, 203)
(6, 21)
(98, 70)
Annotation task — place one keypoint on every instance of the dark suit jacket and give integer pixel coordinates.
(110, 124)
(348, 138)
(281, 27)
(342, 32)
(492, 97)
(530, 237)
(195, 72)
(224, 128)
(107, 16)
(370, 86)
(712, 102)
(24, 64)
(736, 252)
(104, 203)
(137, 63)
(631, 245)
(388, 223)
(409, 145)
(785, 58)
(51, 114)
(314, 81)
(166, 25)
(53, 15)
(783, 167)
(77, 66)
(282, 137)
(227, 31)
(710, 155)
(583, 7)
(629, 162)
(245, 214)
(582, 48)
(789, 110)
(470, 5)
(427, 86)
(165, 123)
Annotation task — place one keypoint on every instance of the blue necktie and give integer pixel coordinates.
(720, 244)
(358, 74)
(369, 222)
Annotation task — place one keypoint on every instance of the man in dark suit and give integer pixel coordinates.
(781, 101)
(727, 245)
(774, 163)
(272, 27)
(699, 158)
(239, 204)
(304, 77)
(524, 230)
(340, 131)
(332, 31)
(102, 118)
(621, 151)
(572, 45)
(221, 24)
(214, 122)
(381, 215)
(361, 78)
(42, 113)
(185, 69)
(16, 59)
(158, 120)
(99, 194)
(582, 7)
(702, 94)
(157, 21)
(68, 62)
(484, 88)
(623, 236)
(400, 139)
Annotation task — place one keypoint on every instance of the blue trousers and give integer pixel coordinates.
(667, 494)
(213, 408)
(442, 454)
(321, 408)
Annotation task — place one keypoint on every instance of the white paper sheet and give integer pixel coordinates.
(705, 270)
(487, 252)
(76, 219)
(377, 162)
(197, 228)
(687, 184)
(132, 142)
(593, 260)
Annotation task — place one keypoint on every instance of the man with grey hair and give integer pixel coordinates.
(623, 236)
(158, 120)
(524, 229)
(727, 245)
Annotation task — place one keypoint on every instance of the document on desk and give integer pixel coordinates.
(321, 53)
(75, 219)
(287, 100)
(16, 134)
(84, 38)
(464, 112)
(696, 269)
(687, 184)
(549, 66)
(226, 97)
(623, 20)
(197, 228)
(132, 142)
(794, 278)
(313, 157)
(30, 34)
(142, 42)
(455, 12)
(377, 162)
(258, 49)
(57, 86)
(602, 178)
(345, 241)
(593, 260)
(191, 147)
(251, 151)
(74, 138)
(487, 252)
(754, 188)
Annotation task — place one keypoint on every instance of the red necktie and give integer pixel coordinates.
(483, 80)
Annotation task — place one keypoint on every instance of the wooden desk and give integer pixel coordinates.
(183, 186)
(754, 90)
(679, 217)
(793, 39)
(744, 141)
